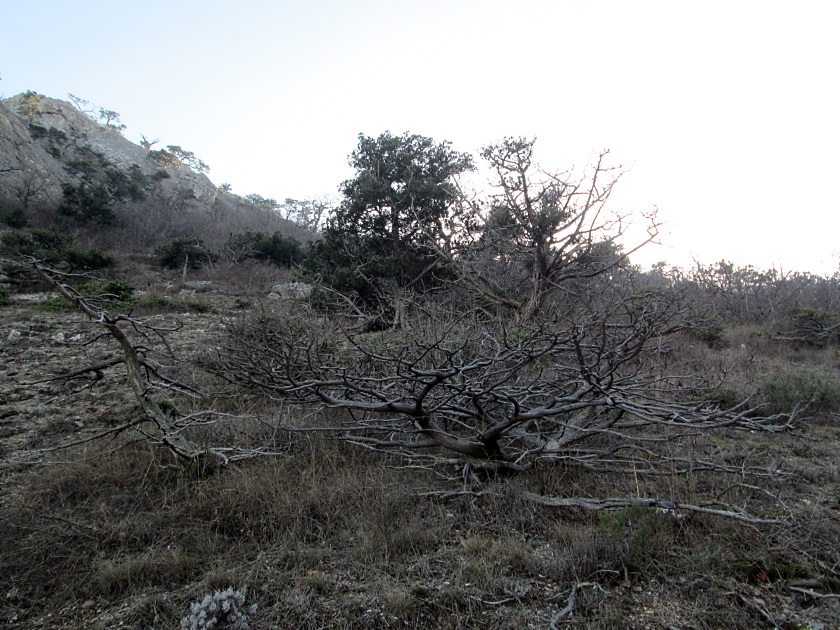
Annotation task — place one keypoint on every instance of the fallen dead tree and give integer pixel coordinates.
(143, 348)
(588, 392)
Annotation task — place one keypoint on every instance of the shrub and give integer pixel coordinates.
(41, 244)
(189, 251)
(98, 293)
(200, 307)
(281, 250)
(89, 259)
(117, 290)
(642, 532)
(710, 333)
(786, 390)
(54, 135)
(16, 219)
(38, 131)
(53, 248)
(87, 203)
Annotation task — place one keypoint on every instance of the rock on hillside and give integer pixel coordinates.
(46, 144)
(35, 153)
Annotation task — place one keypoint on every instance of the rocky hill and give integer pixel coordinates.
(51, 150)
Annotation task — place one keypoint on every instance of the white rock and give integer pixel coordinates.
(290, 291)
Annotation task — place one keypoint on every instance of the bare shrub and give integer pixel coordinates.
(589, 392)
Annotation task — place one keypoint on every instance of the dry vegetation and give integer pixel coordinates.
(481, 417)
(320, 532)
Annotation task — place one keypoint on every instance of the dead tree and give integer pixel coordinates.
(538, 231)
(142, 346)
(586, 392)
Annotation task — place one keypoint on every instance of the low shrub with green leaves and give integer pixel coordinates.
(277, 248)
(710, 333)
(16, 219)
(46, 245)
(111, 294)
(800, 388)
(54, 248)
(189, 251)
(89, 259)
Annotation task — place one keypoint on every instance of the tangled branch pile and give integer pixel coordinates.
(591, 390)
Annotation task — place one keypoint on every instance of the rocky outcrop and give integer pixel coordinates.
(42, 151)
(36, 152)
(24, 161)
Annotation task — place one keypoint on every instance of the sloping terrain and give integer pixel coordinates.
(322, 534)
(155, 194)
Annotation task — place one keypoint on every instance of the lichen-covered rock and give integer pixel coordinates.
(35, 153)
(290, 291)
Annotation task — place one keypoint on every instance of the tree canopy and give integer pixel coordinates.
(376, 244)
(30, 105)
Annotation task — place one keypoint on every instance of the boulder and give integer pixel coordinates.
(290, 291)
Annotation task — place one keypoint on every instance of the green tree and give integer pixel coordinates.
(309, 213)
(266, 203)
(176, 157)
(87, 203)
(100, 185)
(29, 105)
(277, 248)
(376, 244)
(110, 120)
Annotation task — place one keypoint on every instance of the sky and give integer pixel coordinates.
(726, 114)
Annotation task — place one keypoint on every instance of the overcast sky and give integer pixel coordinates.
(728, 113)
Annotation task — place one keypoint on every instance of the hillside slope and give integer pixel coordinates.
(160, 198)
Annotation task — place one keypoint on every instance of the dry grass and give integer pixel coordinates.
(332, 537)
(328, 535)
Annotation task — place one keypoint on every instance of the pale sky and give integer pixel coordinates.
(728, 112)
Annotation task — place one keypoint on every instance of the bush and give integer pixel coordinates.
(184, 251)
(786, 390)
(710, 333)
(89, 259)
(87, 203)
(115, 294)
(41, 244)
(200, 307)
(54, 248)
(117, 290)
(281, 250)
(16, 219)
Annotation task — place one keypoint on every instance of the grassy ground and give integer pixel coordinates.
(326, 535)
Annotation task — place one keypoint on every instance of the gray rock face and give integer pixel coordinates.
(37, 151)
(153, 199)
(35, 154)
(24, 160)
